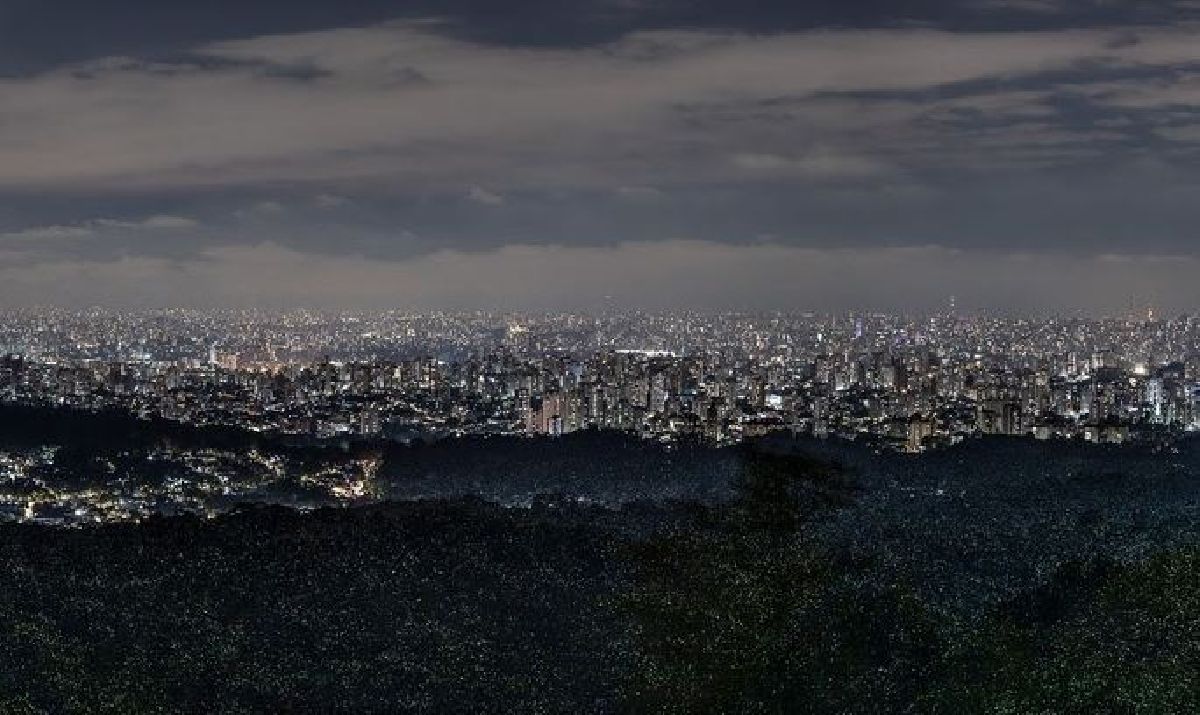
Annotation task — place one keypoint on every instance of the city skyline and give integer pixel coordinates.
(376, 381)
(1029, 157)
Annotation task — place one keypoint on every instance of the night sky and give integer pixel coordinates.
(1027, 156)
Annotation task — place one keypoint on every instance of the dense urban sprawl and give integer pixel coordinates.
(911, 383)
(292, 382)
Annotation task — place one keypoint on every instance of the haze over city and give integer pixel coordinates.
(1028, 157)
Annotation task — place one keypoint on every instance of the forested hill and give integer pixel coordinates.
(1001, 576)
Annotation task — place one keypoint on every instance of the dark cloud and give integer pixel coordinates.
(35, 34)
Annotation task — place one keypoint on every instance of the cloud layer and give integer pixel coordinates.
(408, 141)
(403, 101)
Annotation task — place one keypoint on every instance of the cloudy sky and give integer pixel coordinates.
(1025, 155)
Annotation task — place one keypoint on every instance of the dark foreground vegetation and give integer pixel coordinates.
(1000, 577)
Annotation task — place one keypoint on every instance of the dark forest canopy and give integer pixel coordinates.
(785, 575)
(451, 606)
